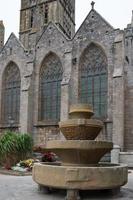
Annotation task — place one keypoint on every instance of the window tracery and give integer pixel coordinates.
(93, 79)
(11, 94)
(50, 88)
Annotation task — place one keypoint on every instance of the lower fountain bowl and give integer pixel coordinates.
(97, 177)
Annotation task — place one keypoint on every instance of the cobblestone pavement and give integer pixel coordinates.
(23, 188)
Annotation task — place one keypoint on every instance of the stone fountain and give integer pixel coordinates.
(80, 156)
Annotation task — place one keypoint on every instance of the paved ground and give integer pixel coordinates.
(23, 188)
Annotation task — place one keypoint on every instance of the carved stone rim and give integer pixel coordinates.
(76, 108)
(81, 122)
(78, 144)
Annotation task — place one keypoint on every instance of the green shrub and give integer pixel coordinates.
(14, 147)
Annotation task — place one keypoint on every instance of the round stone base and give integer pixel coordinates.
(104, 176)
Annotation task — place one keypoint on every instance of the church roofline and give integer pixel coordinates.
(92, 10)
(46, 27)
(13, 35)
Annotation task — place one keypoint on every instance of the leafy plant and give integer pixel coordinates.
(24, 145)
(14, 147)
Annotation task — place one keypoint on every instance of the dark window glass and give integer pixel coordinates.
(32, 17)
(93, 80)
(11, 94)
(50, 88)
(46, 14)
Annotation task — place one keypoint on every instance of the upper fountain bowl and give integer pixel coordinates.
(81, 129)
(80, 111)
(80, 126)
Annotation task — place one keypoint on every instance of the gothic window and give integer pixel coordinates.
(93, 80)
(11, 94)
(44, 11)
(50, 88)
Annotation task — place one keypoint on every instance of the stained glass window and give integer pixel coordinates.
(93, 79)
(11, 94)
(50, 88)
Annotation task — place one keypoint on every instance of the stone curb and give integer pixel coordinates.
(14, 173)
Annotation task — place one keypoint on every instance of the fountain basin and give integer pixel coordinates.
(79, 152)
(81, 129)
(102, 176)
(79, 168)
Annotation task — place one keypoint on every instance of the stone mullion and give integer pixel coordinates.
(65, 86)
(24, 111)
(25, 101)
(118, 94)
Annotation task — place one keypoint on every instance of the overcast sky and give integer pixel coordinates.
(117, 12)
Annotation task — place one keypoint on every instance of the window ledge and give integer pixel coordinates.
(104, 120)
(47, 123)
(9, 126)
(107, 121)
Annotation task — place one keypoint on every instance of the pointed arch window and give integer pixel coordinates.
(93, 79)
(11, 94)
(50, 88)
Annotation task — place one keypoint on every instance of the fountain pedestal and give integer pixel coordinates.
(72, 195)
(80, 168)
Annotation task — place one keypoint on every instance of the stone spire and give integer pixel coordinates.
(2, 34)
(132, 19)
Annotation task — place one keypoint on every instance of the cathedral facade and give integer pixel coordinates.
(51, 67)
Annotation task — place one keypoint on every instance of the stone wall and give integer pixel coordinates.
(13, 51)
(43, 134)
(95, 30)
(128, 89)
(51, 41)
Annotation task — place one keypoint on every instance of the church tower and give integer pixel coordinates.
(35, 14)
(2, 34)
